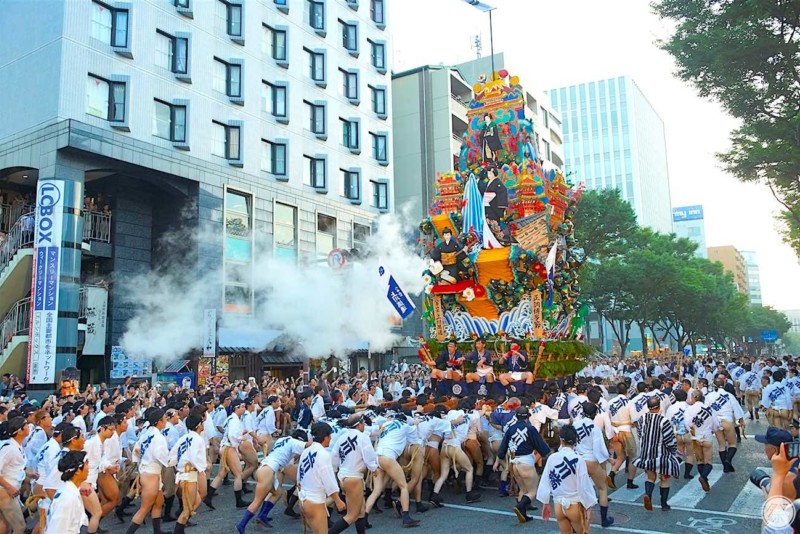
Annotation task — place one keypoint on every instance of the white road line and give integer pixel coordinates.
(552, 520)
(746, 499)
(623, 493)
(692, 493)
(682, 509)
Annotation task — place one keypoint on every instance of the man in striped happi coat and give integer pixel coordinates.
(658, 452)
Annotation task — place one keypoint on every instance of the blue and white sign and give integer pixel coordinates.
(45, 282)
(397, 297)
(687, 213)
(769, 336)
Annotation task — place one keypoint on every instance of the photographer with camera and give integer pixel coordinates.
(783, 487)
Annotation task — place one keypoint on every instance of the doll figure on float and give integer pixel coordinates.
(495, 203)
(445, 258)
(490, 140)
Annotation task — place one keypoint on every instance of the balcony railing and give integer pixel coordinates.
(460, 102)
(15, 322)
(12, 212)
(97, 226)
(458, 138)
(19, 236)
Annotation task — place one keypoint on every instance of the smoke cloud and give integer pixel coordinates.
(322, 312)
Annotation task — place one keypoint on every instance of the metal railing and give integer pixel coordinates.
(18, 237)
(10, 213)
(16, 322)
(97, 226)
(458, 138)
(459, 101)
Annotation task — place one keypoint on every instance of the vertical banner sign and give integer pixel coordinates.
(394, 293)
(209, 333)
(438, 317)
(96, 315)
(536, 315)
(48, 233)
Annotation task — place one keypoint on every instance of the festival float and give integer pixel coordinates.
(503, 260)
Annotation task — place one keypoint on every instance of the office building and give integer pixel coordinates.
(614, 138)
(794, 318)
(733, 262)
(688, 222)
(753, 276)
(266, 122)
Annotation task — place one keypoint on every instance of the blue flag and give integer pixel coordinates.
(397, 297)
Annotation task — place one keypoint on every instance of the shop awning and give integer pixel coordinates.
(176, 366)
(237, 340)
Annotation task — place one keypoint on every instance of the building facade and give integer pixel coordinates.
(753, 276)
(266, 124)
(688, 222)
(794, 318)
(733, 262)
(614, 138)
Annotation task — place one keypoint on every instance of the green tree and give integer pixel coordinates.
(792, 342)
(746, 56)
(606, 288)
(604, 224)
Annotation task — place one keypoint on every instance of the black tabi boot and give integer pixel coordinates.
(291, 501)
(687, 471)
(408, 522)
(738, 435)
(209, 500)
(631, 485)
(157, 525)
(610, 480)
(731, 454)
(361, 525)
(340, 526)
(664, 498)
(521, 509)
(239, 502)
(421, 508)
(119, 511)
(132, 528)
(387, 498)
(435, 500)
(180, 528)
(366, 521)
(648, 495)
(168, 517)
(473, 496)
(605, 521)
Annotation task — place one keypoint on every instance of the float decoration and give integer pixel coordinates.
(504, 263)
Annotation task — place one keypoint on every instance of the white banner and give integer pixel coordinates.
(210, 333)
(45, 282)
(96, 316)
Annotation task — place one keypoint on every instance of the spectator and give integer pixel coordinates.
(787, 484)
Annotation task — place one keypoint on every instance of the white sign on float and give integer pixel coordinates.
(209, 333)
(96, 315)
(48, 233)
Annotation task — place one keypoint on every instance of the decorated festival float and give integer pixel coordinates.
(503, 261)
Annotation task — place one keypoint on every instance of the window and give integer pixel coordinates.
(378, 55)
(182, 3)
(376, 11)
(380, 198)
(274, 160)
(169, 122)
(316, 15)
(350, 134)
(231, 15)
(284, 231)
(316, 64)
(326, 235)
(110, 25)
(172, 53)
(227, 78)
(349, 36)
(105, 99)
(379, 147)
(314, 173)
(546, 145)
(378, 100)
(351, 184)
(350, 85)
(361, 233)
(238, 252)
(227, 141)
(275, 99)
(316, 118)
(275, 43)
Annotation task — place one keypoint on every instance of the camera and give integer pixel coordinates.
(760, 478)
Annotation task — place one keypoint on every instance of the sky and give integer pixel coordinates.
(552, 43)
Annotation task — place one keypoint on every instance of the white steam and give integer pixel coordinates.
(321, 312)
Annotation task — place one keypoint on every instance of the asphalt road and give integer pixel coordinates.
(732, 506)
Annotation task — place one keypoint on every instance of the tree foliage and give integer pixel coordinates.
(745, 54)
(604, 224)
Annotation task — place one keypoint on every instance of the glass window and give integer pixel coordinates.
(232, 142)
(316, 15)
(220, 75)
(350, 133)
(349, 36)
(379, 147)
(378, 55)
(279, 45)
(316, 66)
(376, 11)
(380, 198)
(101, 22)
(180, 57)
(350, 84)
(351, 185)
(326, 235)
(234, 80)
(238, 299)
(274, 158)
(120, 29)
(361, 233)
(97, 94)
(285, 231)
(162, 118)
(279, 101)
(163, 50)
(318, 173)
(234, 20)
(218, 138)
(378, 100)
(317, 118)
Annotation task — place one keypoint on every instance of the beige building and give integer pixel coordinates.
(733, 262)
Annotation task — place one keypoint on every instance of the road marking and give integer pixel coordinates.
(692, 493)
(749, 495)
(624, 494)
(551, 520)
(694, 510)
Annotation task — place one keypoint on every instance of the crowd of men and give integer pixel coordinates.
(336, 450)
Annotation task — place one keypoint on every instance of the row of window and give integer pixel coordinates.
(111, 25)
